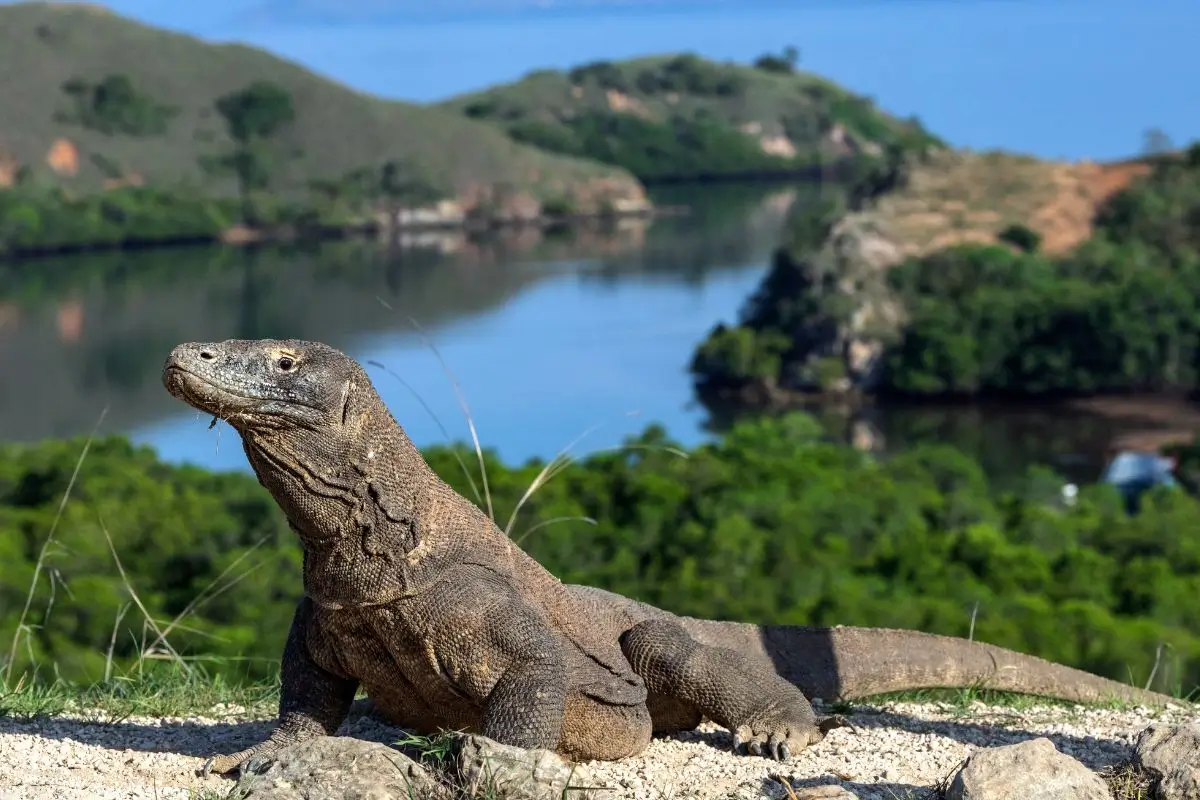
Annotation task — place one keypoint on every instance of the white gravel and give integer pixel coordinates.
(899, 750)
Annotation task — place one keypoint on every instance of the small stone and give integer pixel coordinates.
(490, 769)
(340, 768)
(1031, 770)
(1170, 755)
(827, 792)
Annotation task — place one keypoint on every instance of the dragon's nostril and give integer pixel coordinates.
(206, 355)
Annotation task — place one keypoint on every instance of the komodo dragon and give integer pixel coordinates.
(414, 594)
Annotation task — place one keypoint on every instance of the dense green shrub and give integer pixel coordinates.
(49, 218)
(690, 74)
(115, 106)
(678, 147)
(740, 355)
(768, 524)
(782, 64)
(604, 74)
(44, 218)
(987, 320)
(1021, 237)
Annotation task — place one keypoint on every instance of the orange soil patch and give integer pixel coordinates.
(63, 157)
(1066, 221)
(970, 197)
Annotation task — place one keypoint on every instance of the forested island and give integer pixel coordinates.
(976, 279)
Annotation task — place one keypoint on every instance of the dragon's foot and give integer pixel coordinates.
(784, 735)
(775, 738)
(293, 730)
(251, 760)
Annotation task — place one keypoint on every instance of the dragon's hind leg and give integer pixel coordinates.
(767, 715)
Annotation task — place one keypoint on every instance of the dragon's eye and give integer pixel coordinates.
(286, 363)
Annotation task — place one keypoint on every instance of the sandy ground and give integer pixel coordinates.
(896, 751)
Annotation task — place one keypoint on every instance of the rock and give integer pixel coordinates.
(827, 792)
(1170, 755)
(1031, 770)
(337, 767)
(341, 768)
(490, 769)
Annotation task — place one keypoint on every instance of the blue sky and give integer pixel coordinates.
(1057, 78)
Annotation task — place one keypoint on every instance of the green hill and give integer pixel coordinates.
(682, 117)
(92, 99)
(979, 276)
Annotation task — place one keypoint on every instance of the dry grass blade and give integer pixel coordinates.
(437, 421)
(39, 565)
(149, 620)
(546, 473)
(787, 786)
(112, 642)
(558, 464)
(1128, 782)
(1157, 661)
(462, 402)
(203, 596)
(552, 521)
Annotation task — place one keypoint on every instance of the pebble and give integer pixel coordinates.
(897, 750)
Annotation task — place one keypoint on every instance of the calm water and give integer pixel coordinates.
(548, 338)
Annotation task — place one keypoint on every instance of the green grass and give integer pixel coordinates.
(723, 102)
(436, 749)
(1128, 782)
(166, 690)
(336, 130)
(960, 701)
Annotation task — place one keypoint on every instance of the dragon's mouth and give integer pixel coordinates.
(241, 411)
(201, 394)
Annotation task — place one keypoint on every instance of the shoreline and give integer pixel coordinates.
(419, 220)
(422, 221)
(1145, 421)
(244, 236)
(1148, 405)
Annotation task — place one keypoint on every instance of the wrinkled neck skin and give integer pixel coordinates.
(352, 493)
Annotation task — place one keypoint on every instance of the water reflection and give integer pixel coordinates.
(1074, 439)
(548, 335)
(77, 333)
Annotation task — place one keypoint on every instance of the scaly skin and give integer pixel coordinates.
(412, 593)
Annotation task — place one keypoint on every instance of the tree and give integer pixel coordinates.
(389, 187)
(253, 116)
(400, 183)
(258, 111)
(784, 63)
(1022, 237)
(1156, 142)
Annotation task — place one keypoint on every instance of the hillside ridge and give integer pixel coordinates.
(71, 60)
(681, 116)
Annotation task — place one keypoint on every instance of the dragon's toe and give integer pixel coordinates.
(777, 740)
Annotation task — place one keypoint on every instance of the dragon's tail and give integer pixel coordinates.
(847, 663)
